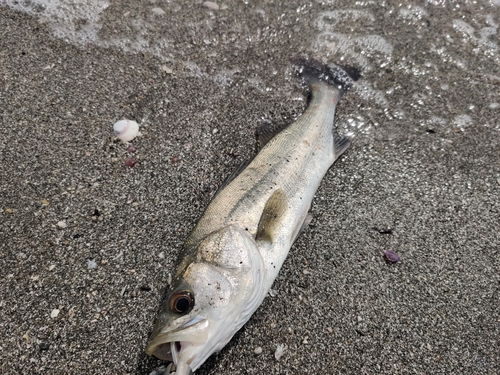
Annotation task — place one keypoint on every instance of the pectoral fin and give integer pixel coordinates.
(272, 217)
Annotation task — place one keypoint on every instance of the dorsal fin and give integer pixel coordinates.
(266, 132)
(272, 216)
(233, 175)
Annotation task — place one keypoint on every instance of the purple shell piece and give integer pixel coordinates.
(391, 256)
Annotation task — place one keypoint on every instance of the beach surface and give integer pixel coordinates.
(87, 243)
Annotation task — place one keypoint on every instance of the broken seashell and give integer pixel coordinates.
(126, 130)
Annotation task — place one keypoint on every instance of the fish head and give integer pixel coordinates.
(215, 291)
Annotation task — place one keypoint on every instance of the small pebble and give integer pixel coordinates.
(54, 313)
(51, 267)
(129, 162)
(131, 149)
(166, 69)
(211, 5)
(91, 264)
(257, 350)
(158, 11)
(273, 293)
(62, 224)
(279, 351)
(391, 256)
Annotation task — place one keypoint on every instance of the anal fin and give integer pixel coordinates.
(304, 225)
(272, 216)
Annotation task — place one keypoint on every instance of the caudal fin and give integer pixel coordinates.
(343, 77)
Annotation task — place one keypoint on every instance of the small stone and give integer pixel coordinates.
(211, 5)
(51, 267)
(44, 346)
(166, 69)
(54, 313)
(131, 149)
(158, 11)
(45, 202)
(279, 351)
(62, 224)
(9, 210)
(391, 256)
(273, 293)
(129, 162)
(91, 264)
(257, 350)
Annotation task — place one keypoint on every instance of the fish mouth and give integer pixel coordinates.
(172, 351)
(168, 350)
(179, 346)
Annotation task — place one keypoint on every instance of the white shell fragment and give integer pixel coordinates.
(279, 351)
(54, 313)
(126, 130)
(211, 5)
(62, 224)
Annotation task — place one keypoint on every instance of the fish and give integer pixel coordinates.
(234, 253)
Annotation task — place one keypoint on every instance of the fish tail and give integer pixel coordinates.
(312, 71)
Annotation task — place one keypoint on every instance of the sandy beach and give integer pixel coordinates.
(87, 244)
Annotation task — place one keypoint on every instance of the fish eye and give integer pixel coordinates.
(182, 302)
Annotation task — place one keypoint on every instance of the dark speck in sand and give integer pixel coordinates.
(383, 230)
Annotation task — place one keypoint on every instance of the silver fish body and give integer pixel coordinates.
(237, 248)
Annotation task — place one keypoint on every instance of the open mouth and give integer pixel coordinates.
(162, 351)
(171, 351)
(174, 347)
